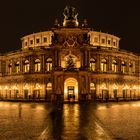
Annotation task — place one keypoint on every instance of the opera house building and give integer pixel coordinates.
(70, 62)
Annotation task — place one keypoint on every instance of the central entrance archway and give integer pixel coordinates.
(70, 89)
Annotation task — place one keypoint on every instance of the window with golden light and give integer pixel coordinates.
(114, 66)
(49, 86)
(123, 67)
(17, 67)
(26, 66)
(92, 64)
(49, 64)
(37, 65)
(10, 68)
(103, 65)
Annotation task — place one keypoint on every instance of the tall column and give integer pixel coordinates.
(109, 63)
(98, 62)
(42, 63)
(85, 58)
(88, 59)
(31, 63)
(56, 59)
(21, 65)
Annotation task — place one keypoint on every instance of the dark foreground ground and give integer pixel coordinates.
(41, 121)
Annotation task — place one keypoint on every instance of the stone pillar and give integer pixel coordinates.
(21, 65)
(109, 64)
(88, 59)
(97, 88)
(56, 58)
(85, 58)
(110, 88)
(13, 66)
(120, 88)
(42, 64)
(31, 63)
(119, 66)
(98, 63)
(82, 59)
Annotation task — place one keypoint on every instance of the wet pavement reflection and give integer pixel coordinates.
(44, 121)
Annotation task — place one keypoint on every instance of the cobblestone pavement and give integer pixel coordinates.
(40, 121)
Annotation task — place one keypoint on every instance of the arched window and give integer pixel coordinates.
(49, 86)
(17, 67)
(123, 67)
(10, 68)
(115, 91)
(130, 67)
(92, 64)
(92, 86)
(49, 64)
(103, 65)
(26, 66)
(114, 66)
(37, 65)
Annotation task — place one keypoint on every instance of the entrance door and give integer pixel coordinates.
(71, 94)
(115, 93)
(105, 94)
(25, 94)
(71, 89)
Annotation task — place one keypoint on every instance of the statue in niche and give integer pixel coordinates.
(70, 63)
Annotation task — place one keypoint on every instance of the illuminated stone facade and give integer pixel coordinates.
(69, 62)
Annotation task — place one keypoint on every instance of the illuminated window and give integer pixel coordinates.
(17, 67)
(37, 40)
(114, 66)
(37, 65)
(92, 86)
(124, 93)
(16, 93)
(92, 64)
(26, 43)
(103, 65)
(45, 39)
(103, 40)
(96, 39)
(10, 68)
(26, 66)
(49, 86)
(130, 68)
(114, 43)
(123, 67)
(49, 64)
(109, 42)
(31, 42)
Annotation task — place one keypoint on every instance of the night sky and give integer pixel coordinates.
(19, 18)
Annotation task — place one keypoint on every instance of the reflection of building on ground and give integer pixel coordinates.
(70, 63)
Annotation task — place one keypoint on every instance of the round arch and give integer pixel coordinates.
(71, 89)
